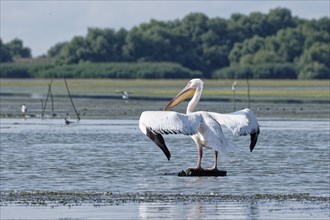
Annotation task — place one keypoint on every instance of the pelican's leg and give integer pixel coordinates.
(199, 159)
(200, 152)
(215, 165)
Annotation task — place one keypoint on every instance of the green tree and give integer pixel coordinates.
(5, 55)
(149, 42)
(17, 49)
(291, 41)
(318, 52)
(266, 56)
(315, 31)
(314, 70)
(105, 44)
(215, 47)
(315, 62)
(280, 18)
(74, 52)
(242, 53)
(56, 49)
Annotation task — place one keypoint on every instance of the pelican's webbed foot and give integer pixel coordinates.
(213, 169)
(196, 168)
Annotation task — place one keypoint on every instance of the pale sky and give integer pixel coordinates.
(43, 23)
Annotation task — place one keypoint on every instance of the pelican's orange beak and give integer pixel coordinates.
(184, 94)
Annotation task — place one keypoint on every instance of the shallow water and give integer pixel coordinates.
(222, 210)
(113, 155)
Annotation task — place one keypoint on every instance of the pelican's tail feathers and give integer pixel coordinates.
(226, 147)
(230, 147)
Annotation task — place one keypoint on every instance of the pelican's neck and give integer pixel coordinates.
(194, 101)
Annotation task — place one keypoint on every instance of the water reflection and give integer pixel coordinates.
(193, 210)
(196, 210)
(233, 210)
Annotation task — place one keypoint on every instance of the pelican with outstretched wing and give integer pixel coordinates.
(204, 127)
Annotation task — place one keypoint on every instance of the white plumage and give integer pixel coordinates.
(24, 108)
(203, 127)
(169, 122)
(241, 122)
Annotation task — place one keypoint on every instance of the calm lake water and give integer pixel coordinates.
(114, 156)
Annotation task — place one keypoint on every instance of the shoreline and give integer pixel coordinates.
(226, 99)
(131, 109)
(64, 198)
(95, 98)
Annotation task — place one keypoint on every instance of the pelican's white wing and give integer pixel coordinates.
(155, 123)
(168, 122)
(242, 122)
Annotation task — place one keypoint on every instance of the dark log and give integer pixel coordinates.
(195, 172)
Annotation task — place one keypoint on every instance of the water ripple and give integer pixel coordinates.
(113, 155)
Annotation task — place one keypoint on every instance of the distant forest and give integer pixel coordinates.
(276, 45)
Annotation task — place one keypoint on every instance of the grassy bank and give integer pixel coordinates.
(96, 98)
(284, 89)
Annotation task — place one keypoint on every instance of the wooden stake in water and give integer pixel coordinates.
(248, 90)
(48, 93)
(42, 106)
(52, 99)
(233, 87)
(67, 88)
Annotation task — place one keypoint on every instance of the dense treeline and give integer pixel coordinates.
(273, 45)
(145, 70)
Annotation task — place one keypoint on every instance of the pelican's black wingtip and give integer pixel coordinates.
(166, 152)
(159, 140)
(254, 139)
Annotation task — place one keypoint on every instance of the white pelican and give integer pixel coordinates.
(204, 127)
